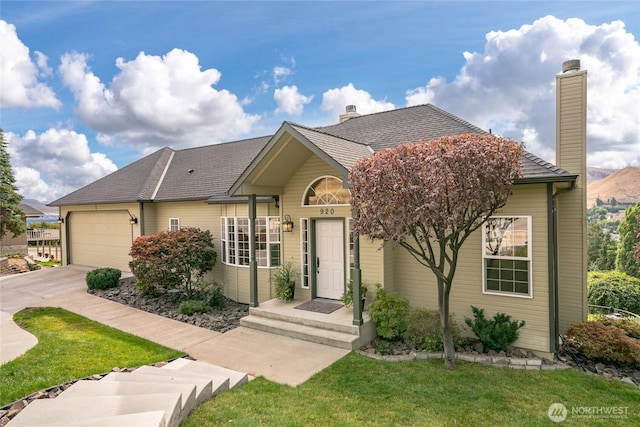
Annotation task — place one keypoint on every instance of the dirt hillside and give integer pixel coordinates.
(624, 185)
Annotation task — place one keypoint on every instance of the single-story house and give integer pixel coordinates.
(290, 190)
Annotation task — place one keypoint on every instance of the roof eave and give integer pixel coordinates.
(545, 179)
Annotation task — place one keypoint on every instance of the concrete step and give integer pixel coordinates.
(219, 383)
(88, 388)
(211, 371)
(314, 334)
(141, 419)
(315, 320)
(204, 387)
(77, 408)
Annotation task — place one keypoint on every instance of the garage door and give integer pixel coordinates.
(100, 239)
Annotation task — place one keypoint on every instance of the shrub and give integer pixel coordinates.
(630, 326)
(212, 294)
(390, 314)
(496, 334)
(146, 289)
(614, 289)
(103, 278)
(191, 306)
(603, 343)
(424, 330)
(173, 259)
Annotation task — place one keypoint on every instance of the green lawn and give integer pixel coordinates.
(71, 347)
(358, 390)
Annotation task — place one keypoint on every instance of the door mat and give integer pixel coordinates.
(319, 306)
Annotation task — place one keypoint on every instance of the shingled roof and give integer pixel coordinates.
(207, 173)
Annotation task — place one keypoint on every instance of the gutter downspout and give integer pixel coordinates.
(554, 331)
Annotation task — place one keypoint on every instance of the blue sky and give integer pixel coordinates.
(88, 87)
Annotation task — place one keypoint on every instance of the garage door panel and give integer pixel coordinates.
(100, 239)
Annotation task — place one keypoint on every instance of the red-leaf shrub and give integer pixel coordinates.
(172, 259)
(604, 343)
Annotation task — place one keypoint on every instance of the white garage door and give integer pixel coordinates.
(100, 239)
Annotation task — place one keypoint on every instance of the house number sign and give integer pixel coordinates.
(326, 211)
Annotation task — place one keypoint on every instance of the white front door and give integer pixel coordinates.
(329, 259)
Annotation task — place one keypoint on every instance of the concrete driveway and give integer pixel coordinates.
(277, 358)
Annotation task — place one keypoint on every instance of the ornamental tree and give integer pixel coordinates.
(430, 196)
(172, 259)
(11, 215)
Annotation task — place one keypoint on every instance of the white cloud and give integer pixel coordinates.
(510, 87)
(54, 163)
(290, 100)
(281, 73)
(19, 74)
(156, 101)
(335, 101)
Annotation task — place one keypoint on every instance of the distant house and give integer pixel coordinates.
(298, 177)
(18, 244)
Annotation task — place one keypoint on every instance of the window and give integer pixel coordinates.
(304, 251)
(327, 190)
(235, 241)
(174, 224)
(506, 254)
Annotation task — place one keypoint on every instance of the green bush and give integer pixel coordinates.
(212, 294)
(192, 306)
(347, 297)
(103, 278)
(390, 314)
(284, 282)
(603, 343)
(614, 289)
(496, 334)
(146, 289)
(424, 330)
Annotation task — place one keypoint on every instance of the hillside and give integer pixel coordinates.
(594, 174)
(624, 185)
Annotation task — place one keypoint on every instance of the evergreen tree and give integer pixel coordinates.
(626, 260)
(11, 215)
(601, 248)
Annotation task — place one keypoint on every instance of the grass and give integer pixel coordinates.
(71, 347)
(361, 391)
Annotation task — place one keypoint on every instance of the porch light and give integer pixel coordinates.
(60, 220)
(287, 224)
(133, 220)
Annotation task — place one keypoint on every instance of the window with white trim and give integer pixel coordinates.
(235, 241)
(326, 190)
(174, 224)
(304, 251)
(506, 253)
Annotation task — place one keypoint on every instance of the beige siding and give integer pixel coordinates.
(100, 235)
(417, 283)
(571, 104)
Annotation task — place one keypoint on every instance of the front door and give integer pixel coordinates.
(329, 259)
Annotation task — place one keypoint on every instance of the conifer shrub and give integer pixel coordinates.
(103, 278)
(495, 334)
(599, 342)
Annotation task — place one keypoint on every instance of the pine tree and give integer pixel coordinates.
(11, 215)
(626, 260)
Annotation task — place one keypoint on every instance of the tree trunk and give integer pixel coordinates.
(447, 336)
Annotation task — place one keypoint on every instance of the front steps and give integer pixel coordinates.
(146, 397)
(334, 329)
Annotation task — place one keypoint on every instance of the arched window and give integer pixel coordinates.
(326, 190)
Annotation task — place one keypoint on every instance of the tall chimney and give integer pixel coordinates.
(350, 112)
(571, 155)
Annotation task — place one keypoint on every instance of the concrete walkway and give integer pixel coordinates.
(281, 359)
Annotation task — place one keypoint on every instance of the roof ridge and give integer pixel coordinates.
(223, 143)
(317, 130)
